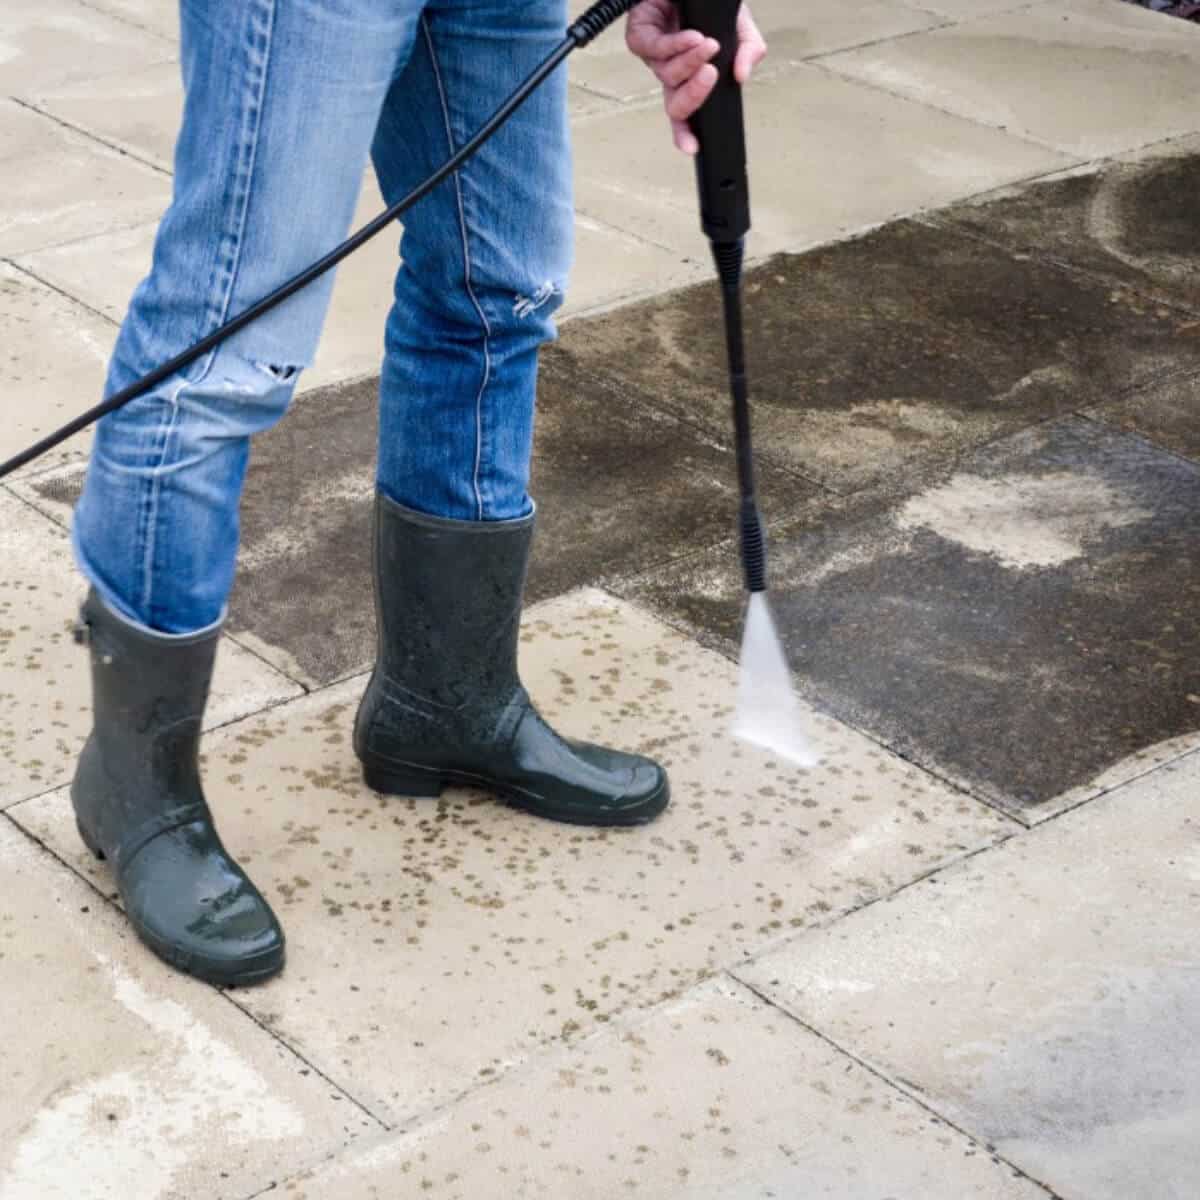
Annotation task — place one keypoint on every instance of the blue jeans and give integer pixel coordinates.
(285, 101)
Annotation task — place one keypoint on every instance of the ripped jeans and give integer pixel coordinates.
(285, 101)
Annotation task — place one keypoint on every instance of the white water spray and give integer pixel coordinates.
(768, 713)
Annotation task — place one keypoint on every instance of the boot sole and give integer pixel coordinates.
(420, 783)
(246, 974)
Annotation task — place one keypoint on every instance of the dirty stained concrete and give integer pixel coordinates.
(1019, 622)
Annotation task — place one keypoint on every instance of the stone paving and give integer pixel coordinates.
(957, 959)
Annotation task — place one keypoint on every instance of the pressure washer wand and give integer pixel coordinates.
(724, 186)
(767, 712)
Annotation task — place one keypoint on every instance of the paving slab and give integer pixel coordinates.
(812, 180)
(970, 10)
(1045, 995)
(122, 1079)
(716, 1096)
(53, 353)
(160, 17)
(608, 68)
(454, 939)
(621, 488)
(45, 692)
(1088, 77)
(138, 111)
(1121, 220)
(61, 185)
(48, 44)
(1021, 624)
(1166, 415)
(877, 356)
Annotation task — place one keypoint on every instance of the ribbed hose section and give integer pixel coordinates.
(754, 548)
(597, 19)
(729, 257)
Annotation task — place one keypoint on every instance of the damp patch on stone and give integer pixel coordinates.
(1024, 624)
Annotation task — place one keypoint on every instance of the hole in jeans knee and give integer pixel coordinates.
(280, 374)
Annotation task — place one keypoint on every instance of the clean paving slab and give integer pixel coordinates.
(793, 33)
(45, 690)
(162, 18)
(1045, 995)
(1020, 622)
(137, 111)
(456, 938)
(126, 1081)
(828, 158)
(874, 357)
(715, 1097)
(60, 185)
(1088, 77)
(48, 44)
(53, 354)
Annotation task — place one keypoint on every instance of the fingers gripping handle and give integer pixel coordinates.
(720, 126)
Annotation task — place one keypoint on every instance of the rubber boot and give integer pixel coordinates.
(445, 704)
(139, 804)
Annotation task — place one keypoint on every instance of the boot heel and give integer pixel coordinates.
(89, 842)
(398, 781)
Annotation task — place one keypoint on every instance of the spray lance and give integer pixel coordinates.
(768, 713)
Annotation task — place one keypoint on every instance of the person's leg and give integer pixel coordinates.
(485, 265)
(486, 258)
(282, 100)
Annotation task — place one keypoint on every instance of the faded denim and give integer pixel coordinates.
(285, 102)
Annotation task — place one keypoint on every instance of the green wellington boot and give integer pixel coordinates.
(140, 805)
(445, 704)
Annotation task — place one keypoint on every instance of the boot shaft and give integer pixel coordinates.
(149, 693)
(448, 602)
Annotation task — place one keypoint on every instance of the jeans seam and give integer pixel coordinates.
(462, 221)
(243, 178)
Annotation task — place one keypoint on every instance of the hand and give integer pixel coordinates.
(681, 59)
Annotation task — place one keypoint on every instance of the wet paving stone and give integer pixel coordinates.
(715, 1097)
(620, 488)
(873, 357)
(45, 689)
(1045, 996)
(454, 939)
(124, 1080)
(1168, 414)
(1022, 623)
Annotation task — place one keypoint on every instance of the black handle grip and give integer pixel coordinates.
(720, 127)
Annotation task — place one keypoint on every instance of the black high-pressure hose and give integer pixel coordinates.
(584, 31)
(721, 175)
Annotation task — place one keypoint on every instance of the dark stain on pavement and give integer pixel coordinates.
(620, 489)
(1020, 624)
(879, 355)
(1131, 224)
